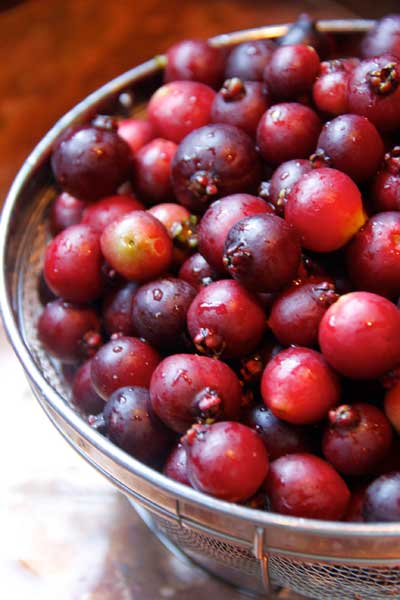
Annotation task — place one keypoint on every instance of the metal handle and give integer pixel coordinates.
(263, 558)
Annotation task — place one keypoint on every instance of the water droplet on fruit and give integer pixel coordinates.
(117, 349)
(275, 115)
(182, 374)
(157, 294)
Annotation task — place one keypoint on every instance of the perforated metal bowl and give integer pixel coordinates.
(258, 551)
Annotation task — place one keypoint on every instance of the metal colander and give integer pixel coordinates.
(266, 553)
(313, 579)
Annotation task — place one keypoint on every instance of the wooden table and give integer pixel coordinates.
(54, 52)
(65, 533)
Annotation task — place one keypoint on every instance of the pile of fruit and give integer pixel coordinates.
(224, 274)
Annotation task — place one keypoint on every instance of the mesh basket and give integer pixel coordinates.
(319, 580)
(262, 552)
(322, 581)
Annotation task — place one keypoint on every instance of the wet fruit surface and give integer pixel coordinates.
(226, 459)
(152, 165)
(131, 424)
(303, 485)
(286, 131)
(195, 60)
(84, 395)
(240, 103)
(353, 145)
(196, 271)
(68, 331)
(72, 264)
(248, 60)
(291, 71)
(373, 256)
(65, 211)
(325, 207)
(222, 288)
(103, 212)
(159, 311)
(357, 439)
(179, 107)
(176, 465)
(123, 361)
(297, 313)
(385, 188)
(225, 320)
(330, 89)
(280, 438)
(299, 387)
(117, 309)
(91, 161)
(262, 252)
(137, 246)
(211, 162)
(185, 388)
(218, 220)
(366, 327)
(382, 499)
(136, 132)
(373, 91)
(283, 179)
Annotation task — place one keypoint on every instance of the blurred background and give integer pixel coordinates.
(66, 533)
(54, 52)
